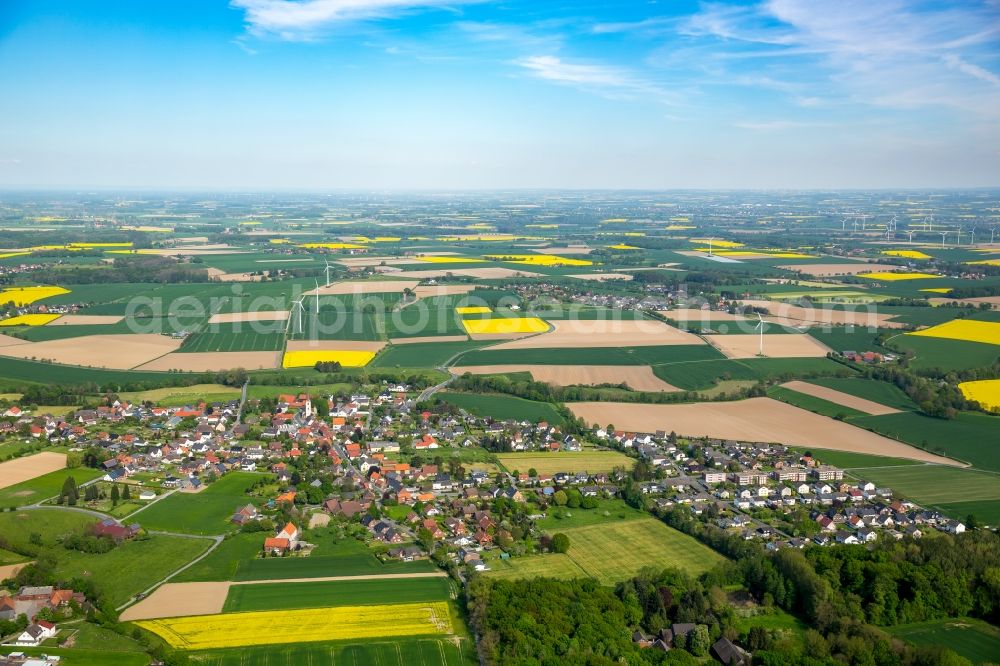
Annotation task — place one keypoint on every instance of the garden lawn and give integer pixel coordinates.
(607, 511)
(503, 407)
(588, 460)
(281, 596)
(975, 640)
(205, 512)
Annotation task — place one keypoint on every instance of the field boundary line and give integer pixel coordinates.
(321, 579)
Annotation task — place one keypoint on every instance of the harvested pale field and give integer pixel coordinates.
(191, 251)
(992, 300)
(752, 420)
(820, 270)
(24, 469)
(564, 250)
(241, 317)
(365, 287)
(429, 338)
(120, 352)
(10, 570)
(797, 315)
(488, 273)
(776, 345)
(431, 291)
(215, 361)
(638, 377)
(222, 276)
(85, 320)
(339, 345)
(603, 277)
(605, 333)
(694, 314)
(840, 398)
(6, 340)
(179, 599)
(186, 599)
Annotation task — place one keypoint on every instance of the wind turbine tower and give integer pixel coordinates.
(760, 325)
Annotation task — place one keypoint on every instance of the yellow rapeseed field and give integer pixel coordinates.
(985, 391)
(29, 320)
(307, 359)
(679, 227)
(473, 309)
(28, 295)
(985, 262)
(203, 632)
(907, 254)
(8, 255)
(964, 329)
(502, 325)
(332, 246)
(937, 290)
(892, 277)
(623, 246)
(716, 242)
(539, 260)
(101, 245)
(279, 241)
(451, 260)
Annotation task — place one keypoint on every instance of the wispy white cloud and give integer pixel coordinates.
(886, 53)
(307, 19)
(606, 80)
(776, 125)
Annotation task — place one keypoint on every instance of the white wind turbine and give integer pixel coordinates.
(710, 246)
(992, 231)
(317, 295)
(910, 232)
(760, 325)
(297, 311)
(944, 234)
(327, 269)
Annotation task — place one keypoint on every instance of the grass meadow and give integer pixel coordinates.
(205, 512)
(975, 640)
(503, 407)
(45, 486)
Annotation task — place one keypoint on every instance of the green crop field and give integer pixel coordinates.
(334, 325)
(323, 594)
(844, 338)
(812, 403)
(987, 512)
(975, 640)
(587, 460)
(205, 512)
(614, 552)
(89, 657)
(421, 354)
(969, 437)
(221, 563)
(503, 407)
(415, 321)
(592, 355)
(53, 332)
(317, 566)
(702, 375)
(385, 652)
(945, 354)
(883, 393)
(44, 487)
(848, 460)
(21, 371)
(932, 485)
(240, 337)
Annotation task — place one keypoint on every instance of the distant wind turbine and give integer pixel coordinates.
(328, 267)
(760, 325)
(297, 311)
(317, 295)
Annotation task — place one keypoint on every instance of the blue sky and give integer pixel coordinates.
(398, 94)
